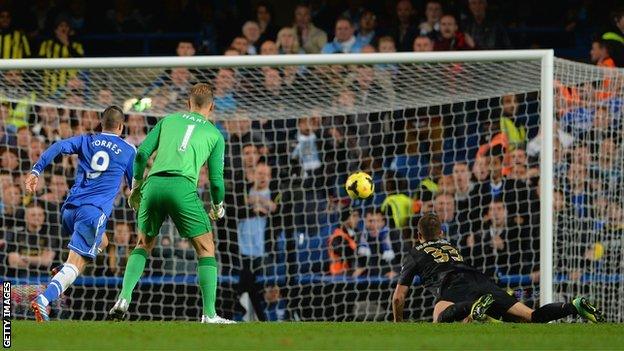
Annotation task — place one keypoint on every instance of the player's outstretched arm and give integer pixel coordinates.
(398, 301)
(406, 278)
(217, 185)
(66, 147)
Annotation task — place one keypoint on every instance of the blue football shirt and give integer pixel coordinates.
(104, 159)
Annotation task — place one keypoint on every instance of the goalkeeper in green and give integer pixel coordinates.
(183, 142)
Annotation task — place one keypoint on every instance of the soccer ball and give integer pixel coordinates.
(360, 186)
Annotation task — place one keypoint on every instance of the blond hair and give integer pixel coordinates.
(386, 38)
(295, 47)
(200, 95)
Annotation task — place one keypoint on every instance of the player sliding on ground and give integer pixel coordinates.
(465, 294)
(184, 142)
(104, 159)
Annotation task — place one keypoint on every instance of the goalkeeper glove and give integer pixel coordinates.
(217, 211)
(134, 200)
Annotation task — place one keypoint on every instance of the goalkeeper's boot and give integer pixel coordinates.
(588, 311)
(118, 312)
(216, 320)
(479, 309)
(40, 309)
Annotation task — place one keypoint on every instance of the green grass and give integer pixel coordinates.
(312, 336)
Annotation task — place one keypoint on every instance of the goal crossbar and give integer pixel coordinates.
(274, 60)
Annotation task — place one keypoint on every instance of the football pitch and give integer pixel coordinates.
(312, 336)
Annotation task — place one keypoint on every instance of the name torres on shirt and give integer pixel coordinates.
(107, 144)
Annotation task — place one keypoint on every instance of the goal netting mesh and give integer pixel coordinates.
(461, 139)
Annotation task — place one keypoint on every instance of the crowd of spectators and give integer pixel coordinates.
(474, 163)
(73, 28)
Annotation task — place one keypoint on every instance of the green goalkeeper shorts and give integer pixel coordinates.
(176, 197)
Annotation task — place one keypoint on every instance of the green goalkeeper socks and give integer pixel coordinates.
(207, 273)
(134, 270)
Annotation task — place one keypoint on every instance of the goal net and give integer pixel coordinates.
(588, 205)
(458, 137)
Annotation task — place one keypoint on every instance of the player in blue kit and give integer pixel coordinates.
(104, 159)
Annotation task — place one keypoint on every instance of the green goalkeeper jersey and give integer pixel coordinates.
(184, 141)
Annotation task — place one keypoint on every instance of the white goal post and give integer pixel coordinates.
(522, 64)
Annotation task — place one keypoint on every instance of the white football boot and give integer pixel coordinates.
(118, 312)
(216, 320)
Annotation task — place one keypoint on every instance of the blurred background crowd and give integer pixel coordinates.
(475, 163)
(73, 28)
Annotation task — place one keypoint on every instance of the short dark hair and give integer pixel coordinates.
(433, 1)
(247, 144)
(180, 41)
(200, 94)
(424, 37)
(112, 117)
(496, 151)
(605, 44)
(497, 200)
(344, 18)
(266, 5)
(302, 5)
(368, 10)
(60, 19)
(429, 227)
(617, 14)
(373, 211)
(386, 38)
(34, 204)
(346, 213)
(598, 39)
(394, 183)
(448, 14)
(12, 150)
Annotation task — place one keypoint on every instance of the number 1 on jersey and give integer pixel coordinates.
(187, 137)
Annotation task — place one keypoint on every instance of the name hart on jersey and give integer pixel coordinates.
(107, 144)
(194, 119)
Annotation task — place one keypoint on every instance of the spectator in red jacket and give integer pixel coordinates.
(451, 38)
